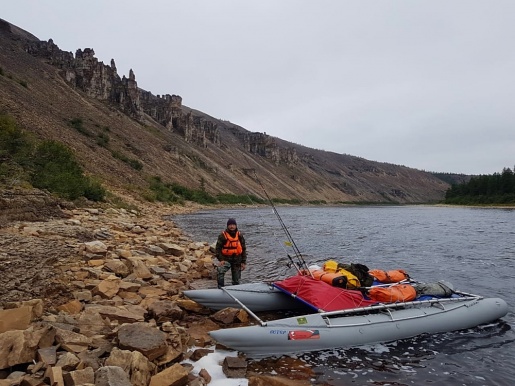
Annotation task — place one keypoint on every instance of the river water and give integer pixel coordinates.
(472, 248)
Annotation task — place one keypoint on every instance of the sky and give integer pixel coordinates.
(428, 84)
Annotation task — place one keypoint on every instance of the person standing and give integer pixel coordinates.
(231, 253)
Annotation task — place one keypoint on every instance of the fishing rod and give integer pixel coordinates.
(291, 242)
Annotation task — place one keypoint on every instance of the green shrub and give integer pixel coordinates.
(292, 201)
(55, 169)
(102, 139)
(176, 193)
(237, 199)
(135, 164)
(78, 125)
(14, 143)
(161, 192)
(94, 191)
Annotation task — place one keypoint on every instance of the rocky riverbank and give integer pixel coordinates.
(94, 296)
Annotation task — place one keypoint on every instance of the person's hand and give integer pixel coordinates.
(221, 263)
(243, 265)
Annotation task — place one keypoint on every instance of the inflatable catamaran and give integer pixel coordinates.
(333, 316)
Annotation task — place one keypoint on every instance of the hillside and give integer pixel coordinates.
(123, 135)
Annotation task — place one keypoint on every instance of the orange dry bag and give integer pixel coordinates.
(342, 278)
(394, 276)
(351, 281)
(332, 278)
(395, 293)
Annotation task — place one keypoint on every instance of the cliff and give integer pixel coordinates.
(46, 88)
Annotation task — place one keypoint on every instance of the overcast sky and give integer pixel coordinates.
(428, 84)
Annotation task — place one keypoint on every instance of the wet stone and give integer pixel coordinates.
(234, 367)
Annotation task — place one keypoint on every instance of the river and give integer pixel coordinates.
(472, 248)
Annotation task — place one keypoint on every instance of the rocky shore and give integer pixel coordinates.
(94, 296)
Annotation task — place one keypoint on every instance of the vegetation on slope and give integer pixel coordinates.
(46, 165)
(50, 165)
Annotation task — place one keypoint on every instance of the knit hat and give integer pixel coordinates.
(231, 221)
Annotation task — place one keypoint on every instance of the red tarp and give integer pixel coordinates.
(322, 296)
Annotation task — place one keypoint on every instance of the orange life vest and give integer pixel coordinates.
(232, 245)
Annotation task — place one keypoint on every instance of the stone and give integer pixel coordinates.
(96, 262)
(72, 341)
(227, 315)
(200, 353)
(36, 304)
(117, 267)
(130, 297)
(173, 354)
(124, 253)
(18, 347)
(47, 355)
(111, 376)
(242, 316)
(190, 305)
(95, 247)
(30, 231)
(151, 291)
(16, 376)
(143, 338)
(55, 375)
(172, 249)
(157, 270)
(31, 380)
(91, 358)
(165, 311)
(107, 288)
(116, 313)
(72, 307)
(175, 375)
(91, 323)
(79, 377)
(140, 269)
(129, 286)
(15, 319)
(234, 367)
(47, 337)
(83, 296)
(134, 363)
(154, 250)
(199, 331)
(204, 374)
(138, 229)
(68, 361)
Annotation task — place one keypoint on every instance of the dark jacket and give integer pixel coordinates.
(221, 242)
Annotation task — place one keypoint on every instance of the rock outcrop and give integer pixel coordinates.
(125, 134)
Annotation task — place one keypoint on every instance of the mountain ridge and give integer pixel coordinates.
(49, 91)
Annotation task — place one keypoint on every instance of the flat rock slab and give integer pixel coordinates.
(143, 338)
